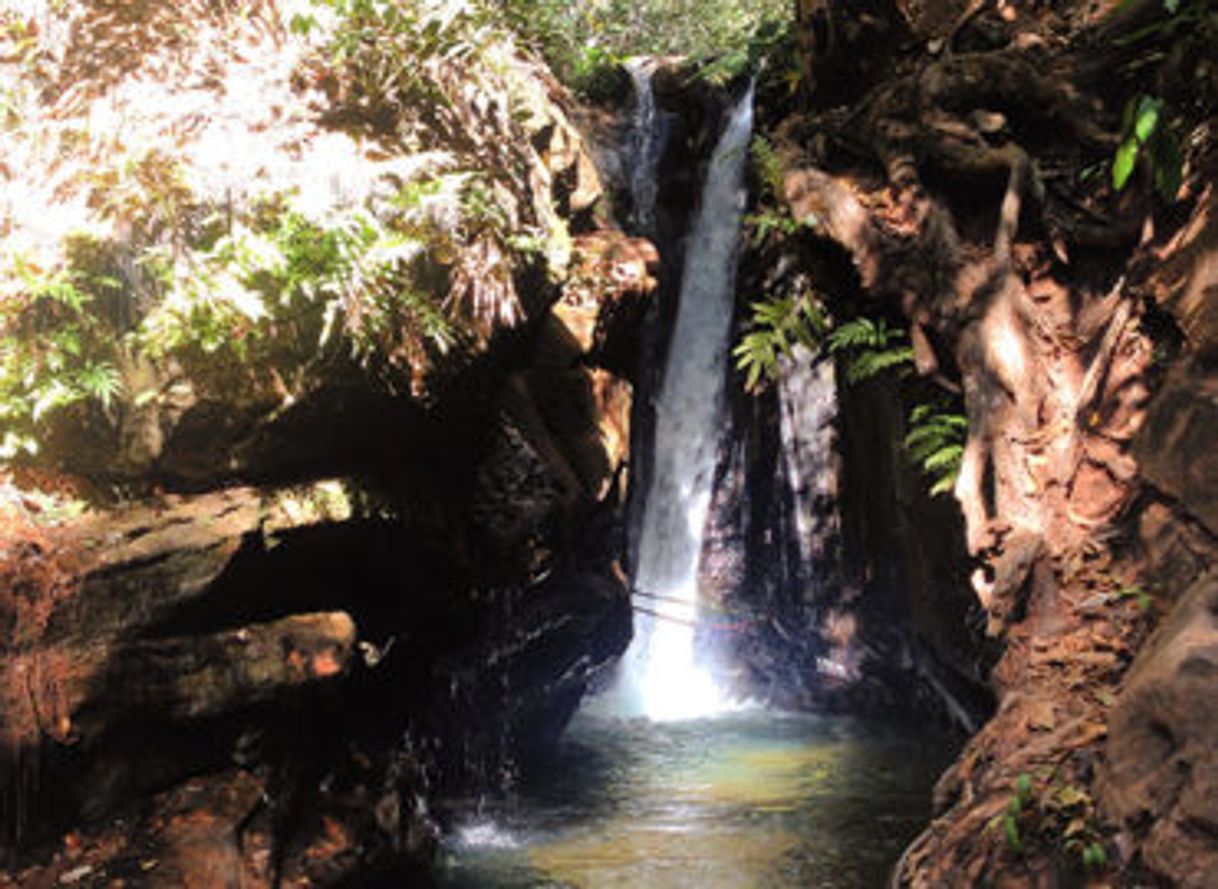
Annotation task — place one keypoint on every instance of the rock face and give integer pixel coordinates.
(1175, 447)
(1160, 780)
(1087, 508)
(347, 574)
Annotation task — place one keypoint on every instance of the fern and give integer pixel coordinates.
(856, 333)
(100, 380)
(870, 346)
(872, 362)
(936, 443)
(768, 166)
(767, 221)
(777, 326)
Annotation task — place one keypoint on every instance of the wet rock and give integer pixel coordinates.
(602, 303)
(561, 442)
(88, 670)
(513, 689)
(1160, 779)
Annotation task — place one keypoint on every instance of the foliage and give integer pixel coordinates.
(777, 326)
(54, 351)
(935, 442)
(1173, 51)
(867, 346)
(769, 167)
(383, 47)
(285, 273)
(1139, 594)
(767, 222)
(1145, 133)
(1056, 811)
(580, 38)
(393, 250)
(870, 347)
(1015, 810)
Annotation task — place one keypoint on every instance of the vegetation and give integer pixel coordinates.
(54, 352)
(865, 346)
(583, 39)
(935, 441)
(161, 255)
(777, 326)
(1146, 134)
(1053, 811)
(870, 347)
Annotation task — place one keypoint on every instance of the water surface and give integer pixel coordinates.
(750, 799)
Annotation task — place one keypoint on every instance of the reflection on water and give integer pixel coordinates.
(751, 799)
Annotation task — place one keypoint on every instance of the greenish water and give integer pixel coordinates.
(751, 799)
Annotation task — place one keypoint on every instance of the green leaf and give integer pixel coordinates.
(943, 486)
(1094, 856)
(947, 458)
(1023, 787)
(1123, 163)
(1172, 6)
(1011, 830)
(102, 381)
(1150, 110)
(871, 363)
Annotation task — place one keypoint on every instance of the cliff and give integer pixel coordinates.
(316, 345)
(1048, 259)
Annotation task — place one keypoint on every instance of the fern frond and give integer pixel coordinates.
(945, 459)
(855, 333)
(936, 443)
(776, 328)
(101, 381)
(871, 363)
(943, 486)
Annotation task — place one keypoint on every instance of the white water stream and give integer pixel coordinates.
(675, 801)
(660, 676)
(646, 147)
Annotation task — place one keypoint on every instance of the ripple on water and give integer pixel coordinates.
(754, 800)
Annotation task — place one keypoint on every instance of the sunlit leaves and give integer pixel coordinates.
(776, 327)
(54, 350)
(869, 347)
(581, 38)
(1123, 163)
(768, 165)
(935, 442)
(1146, 134)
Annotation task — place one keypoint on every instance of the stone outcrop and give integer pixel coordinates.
(1160, 778)
(1159, 782)
(259, 671)
(1087, 506)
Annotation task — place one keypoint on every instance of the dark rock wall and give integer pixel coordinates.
(1158, 781)
(358, 645)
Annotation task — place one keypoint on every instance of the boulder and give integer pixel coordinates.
(1175, 446)
(1160, 777)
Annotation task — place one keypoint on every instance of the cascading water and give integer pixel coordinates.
(660, 677)
(755, 797)
(647, 134)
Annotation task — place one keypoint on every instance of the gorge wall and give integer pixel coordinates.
(356, 496)
(1066, 317)
(359, 475)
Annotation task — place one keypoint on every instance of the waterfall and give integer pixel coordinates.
(645, 149)
(660, 677)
